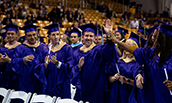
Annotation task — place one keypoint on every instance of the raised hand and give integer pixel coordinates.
(81, 62)
(108, 26)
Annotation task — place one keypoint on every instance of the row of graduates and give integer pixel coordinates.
(96, 70)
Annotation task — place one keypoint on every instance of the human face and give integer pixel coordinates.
(31, 37)
(118, 36)
(99, 40)
(88, 38)
(105, 37)
(95, 40)
(75, 24)
(11, 36)
(64, 38)
(74, 38)
(54, 37)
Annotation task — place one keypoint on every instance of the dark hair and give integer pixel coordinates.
(150, 42)
(164, 47)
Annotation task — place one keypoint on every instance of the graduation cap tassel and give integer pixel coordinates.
(166, 75)
(81, 34)
(102, 39)
(145, 31)
(59, 28)
(122, 40)
(81, 37)
(123, 36)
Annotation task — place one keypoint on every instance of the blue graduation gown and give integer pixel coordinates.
(146, 56)
(90, 81)
(26, 80)
(119, 93)
(3, 79)
(6, 69)
(57, 80)
(146, 94)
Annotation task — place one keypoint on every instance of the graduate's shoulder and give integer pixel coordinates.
(43, 46)
(145, 51)
(21, 46)
(77, 47)
(3, 49)
(66, 47)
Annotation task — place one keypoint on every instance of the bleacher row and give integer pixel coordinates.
(90, 15)
(10, 95)
(117, 7)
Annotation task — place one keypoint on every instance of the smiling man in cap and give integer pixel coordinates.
(25, 59)
(88, 73)
(6, 54)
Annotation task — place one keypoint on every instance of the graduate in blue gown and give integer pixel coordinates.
(25, 59)
(55, 70)
(7, 52)
(89, 71)
(120, 35)
(75, 36)
(99, 37)
(157, 59)
(122, 78)
(145, 93)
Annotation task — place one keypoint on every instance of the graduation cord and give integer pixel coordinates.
(166, 75)
(118, 70)
(48, 53)
(117, 67)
